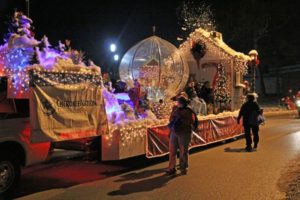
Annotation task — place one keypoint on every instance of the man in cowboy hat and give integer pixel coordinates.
(182, 121)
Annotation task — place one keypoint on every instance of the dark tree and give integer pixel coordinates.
(267, 26)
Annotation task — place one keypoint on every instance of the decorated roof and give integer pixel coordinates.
(214, 42)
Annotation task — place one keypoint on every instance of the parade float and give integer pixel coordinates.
(209, 58)
(163, 71)
(68, 100)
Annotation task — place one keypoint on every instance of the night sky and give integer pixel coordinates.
(93, 25)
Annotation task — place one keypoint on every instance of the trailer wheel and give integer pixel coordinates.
(10, 171)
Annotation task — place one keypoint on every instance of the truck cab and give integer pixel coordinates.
(16, 150)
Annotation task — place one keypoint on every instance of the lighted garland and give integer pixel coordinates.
(50, 78)
(14, 63)
(240, 60)
(132, 131)
(221, 93)
(240, 65)
(136, 130)
(162, 110)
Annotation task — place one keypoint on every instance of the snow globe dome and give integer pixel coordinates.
(157, 65)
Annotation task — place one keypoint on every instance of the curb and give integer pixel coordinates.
(277, 113)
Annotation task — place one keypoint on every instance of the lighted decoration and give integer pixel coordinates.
(253, 63)
(22, 50)
(15, 62)
(56, 78)
(135, 131)
(198, 50)
(221, 92)
(17, 53)
(240, 65)
(216, 45)
(114, 111)
(132, 132)
(196, 14)
(148, 73)
(158, 65)
(162, 110)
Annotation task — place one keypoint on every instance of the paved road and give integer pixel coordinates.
(222, 172)
(66, 173)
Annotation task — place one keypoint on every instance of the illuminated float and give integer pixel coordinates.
(147, 62)
(154, 69)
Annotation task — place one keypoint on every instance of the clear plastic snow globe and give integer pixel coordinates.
(157, 65)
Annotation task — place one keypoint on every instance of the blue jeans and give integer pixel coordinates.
(180, 142)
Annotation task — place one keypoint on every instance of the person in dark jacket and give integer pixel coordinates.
(249, 110)
(181, 131)
(190, 90)
(206, 93)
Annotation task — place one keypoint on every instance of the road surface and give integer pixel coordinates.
(222, 172)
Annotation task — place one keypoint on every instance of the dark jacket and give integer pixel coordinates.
(191, 92)
(246, 110)
(206, 94)
(187, 120)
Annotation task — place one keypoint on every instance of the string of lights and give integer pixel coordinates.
(215, 44)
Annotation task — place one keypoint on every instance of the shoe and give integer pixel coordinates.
(170, 172)
(183, 171)
(255, 146)
(248, 149)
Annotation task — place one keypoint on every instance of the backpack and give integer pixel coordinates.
(196, 122)
(256, 118)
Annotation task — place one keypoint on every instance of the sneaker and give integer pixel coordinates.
(170, 172)
(183, 171)
(248, 149)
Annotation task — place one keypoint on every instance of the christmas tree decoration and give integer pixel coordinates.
(21, 50)
(221, 92)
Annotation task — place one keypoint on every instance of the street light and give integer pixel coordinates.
(253, 63)
(113, 47)
(116, 57)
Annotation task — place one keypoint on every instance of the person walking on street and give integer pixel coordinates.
(250, 112)
(182, 122)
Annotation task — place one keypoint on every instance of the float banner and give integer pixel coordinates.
(66, 111)
(209, 131)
